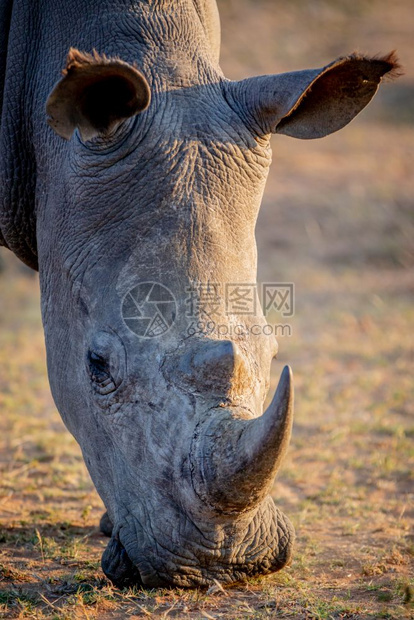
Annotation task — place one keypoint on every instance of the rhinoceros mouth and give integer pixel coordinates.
(123, 572)
(118, 567)
(263, 545)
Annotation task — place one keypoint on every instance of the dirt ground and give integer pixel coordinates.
(337, 221)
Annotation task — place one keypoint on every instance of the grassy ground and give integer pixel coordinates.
(338, 221)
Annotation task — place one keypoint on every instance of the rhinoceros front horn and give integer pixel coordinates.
(235, 461)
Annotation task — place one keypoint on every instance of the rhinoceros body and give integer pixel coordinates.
(144, 198)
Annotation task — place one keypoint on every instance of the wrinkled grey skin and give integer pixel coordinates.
(169, 427)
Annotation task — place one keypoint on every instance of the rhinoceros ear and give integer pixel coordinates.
(313, 103)
(95, 95)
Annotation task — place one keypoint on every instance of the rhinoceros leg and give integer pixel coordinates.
(105, 525)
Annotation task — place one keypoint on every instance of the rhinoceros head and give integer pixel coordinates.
(146, 217)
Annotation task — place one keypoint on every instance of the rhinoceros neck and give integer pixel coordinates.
(175, 43)
(207, 13)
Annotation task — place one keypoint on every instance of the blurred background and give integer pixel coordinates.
(338, 221)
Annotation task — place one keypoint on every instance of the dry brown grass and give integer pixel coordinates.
(338, 221)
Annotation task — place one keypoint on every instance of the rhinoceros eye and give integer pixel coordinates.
(100, 374)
